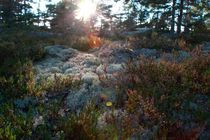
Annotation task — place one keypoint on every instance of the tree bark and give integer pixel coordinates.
(173, 17)
(181, 7)
(188, 17)
(25, 11)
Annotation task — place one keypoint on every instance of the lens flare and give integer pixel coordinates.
(108, 104)
(86, 9)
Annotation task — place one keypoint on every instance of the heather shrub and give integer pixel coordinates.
(82, 125)
(199, 33)
(18, 48)
(161, 42)
(197, 37)
(24, 82)
(85, 125)
(13, 124)
(81, 44)
(87, 43)
(16, 124)
(170, 83)
(15, 85)
(164, 90)
(59, 83)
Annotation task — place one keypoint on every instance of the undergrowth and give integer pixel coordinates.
(161, 42)
(164, 91)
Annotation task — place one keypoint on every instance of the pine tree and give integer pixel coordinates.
(16, 12)
(104, 12)
(63, 18)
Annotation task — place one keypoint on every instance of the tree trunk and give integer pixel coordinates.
(173, 17)
(39, 12)
(181, 7)
(188, 17)
(25, 11)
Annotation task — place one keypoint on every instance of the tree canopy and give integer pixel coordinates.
(163, 15)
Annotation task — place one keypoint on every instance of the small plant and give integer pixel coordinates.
(82, 44)
(15, 86)
(59, 83)
(14, 125)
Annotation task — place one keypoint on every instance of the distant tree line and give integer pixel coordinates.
(16, 12)
(162, 15)
(165, 15)
(20, 13)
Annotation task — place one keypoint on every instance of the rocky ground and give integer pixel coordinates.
(65, 61)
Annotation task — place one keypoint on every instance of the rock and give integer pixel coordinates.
(57, 136)
(70, 71)
(120, 114)
(78, 98)
(100, 69)
(63, 52)
(146, 52)
(68, 65)
(54, 70)
(90, 77)
(91, 60)
(114, 68)
(206, 48)
(61, 112)
(37, 121)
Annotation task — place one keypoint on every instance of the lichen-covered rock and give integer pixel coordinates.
(61, 112)
(120, 114)
(37, 121)
(90, 77)
(100, 69)
(68, 65)
(78, 98)
(206, 48)
(114, 68)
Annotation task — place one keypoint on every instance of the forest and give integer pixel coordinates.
(104, 69)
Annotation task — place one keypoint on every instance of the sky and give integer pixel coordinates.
(42, 4)
(117, 6)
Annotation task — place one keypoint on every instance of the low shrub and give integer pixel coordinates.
(164, 90)
(161, 42)
(13, 124)
(18, 48)
(81, 44)
(15, 85)
(197, 37)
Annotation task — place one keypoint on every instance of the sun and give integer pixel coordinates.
(86, 8)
